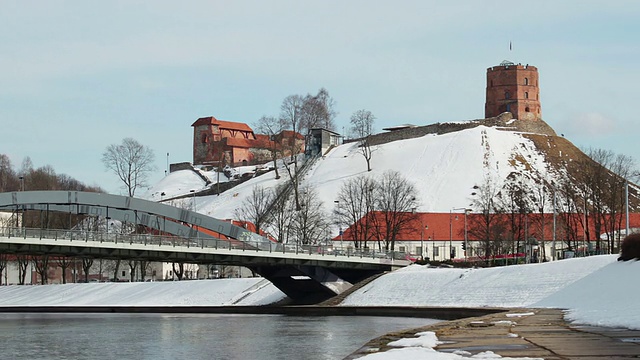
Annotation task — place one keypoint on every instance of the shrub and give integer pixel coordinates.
(630, 248)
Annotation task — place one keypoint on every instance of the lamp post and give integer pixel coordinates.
(194, 199)
(451, 230)
(466, 240)
(553, 242)
(626, 206)
(21, 189)
(166, 171)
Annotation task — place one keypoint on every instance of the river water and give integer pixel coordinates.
(190, 336)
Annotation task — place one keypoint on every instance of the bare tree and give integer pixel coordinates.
(4, 260)
(595, 177)
(291, 117)
(362, 123)
(113, 267)
(309, 224)
(178, 270)
(318, 111)
(87, 263)
(63, 263)
(133, 265)
(354, 205)
(23, 263)
(512, 198)
(41, 264)
(144, 267)
(395, 198)
(488, 227)
(8, 178)
(280, 216)
(271, 126)
(621, 169)
(255, 208)
(131, 162)
(366, 151)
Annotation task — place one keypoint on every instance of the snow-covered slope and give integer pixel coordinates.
(595, 290)
(444, 168)
(219, 292)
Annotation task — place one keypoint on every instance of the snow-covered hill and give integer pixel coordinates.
(443, 167)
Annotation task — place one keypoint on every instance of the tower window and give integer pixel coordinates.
(526, 109)
(507, 95)
(204, 138)
(526, 81)
(526, 94)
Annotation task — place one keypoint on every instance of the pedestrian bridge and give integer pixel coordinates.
(306, 275)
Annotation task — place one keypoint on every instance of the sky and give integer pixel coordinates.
(586, 287)
(77, 77)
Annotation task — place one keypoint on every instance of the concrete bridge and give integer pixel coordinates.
(306, 276)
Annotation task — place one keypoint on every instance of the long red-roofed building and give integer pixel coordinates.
(440, 236)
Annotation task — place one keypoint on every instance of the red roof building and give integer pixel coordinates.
(232, 143)
(441, 235)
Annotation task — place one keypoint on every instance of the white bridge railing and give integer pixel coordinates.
(203, 243)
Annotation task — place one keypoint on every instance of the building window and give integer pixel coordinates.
(204, 138)
(507, 95)
(527, 109)
(419, 250)
(436, 251)
(508, 108)
(124, 273)
(526, 81)
(526, 94)
(401, 249)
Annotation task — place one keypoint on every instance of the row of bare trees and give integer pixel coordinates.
(378, 210)
(80, 269)
(298, 114)
(587, 207)
(304, 222)
(42, 178)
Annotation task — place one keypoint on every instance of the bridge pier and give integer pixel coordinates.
(307, 284)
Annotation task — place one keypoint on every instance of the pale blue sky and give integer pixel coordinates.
(76, 76)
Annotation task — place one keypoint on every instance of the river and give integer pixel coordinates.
(190, 336)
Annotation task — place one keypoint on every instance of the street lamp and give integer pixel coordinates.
(194, 199)
(451, 230)
(466, 240)
(422, 228)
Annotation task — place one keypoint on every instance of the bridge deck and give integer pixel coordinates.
(169, 248)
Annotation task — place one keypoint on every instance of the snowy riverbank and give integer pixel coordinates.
(596, 290)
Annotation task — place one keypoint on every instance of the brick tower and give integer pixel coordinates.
(513, 88)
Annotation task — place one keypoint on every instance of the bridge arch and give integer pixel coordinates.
(162, 217)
